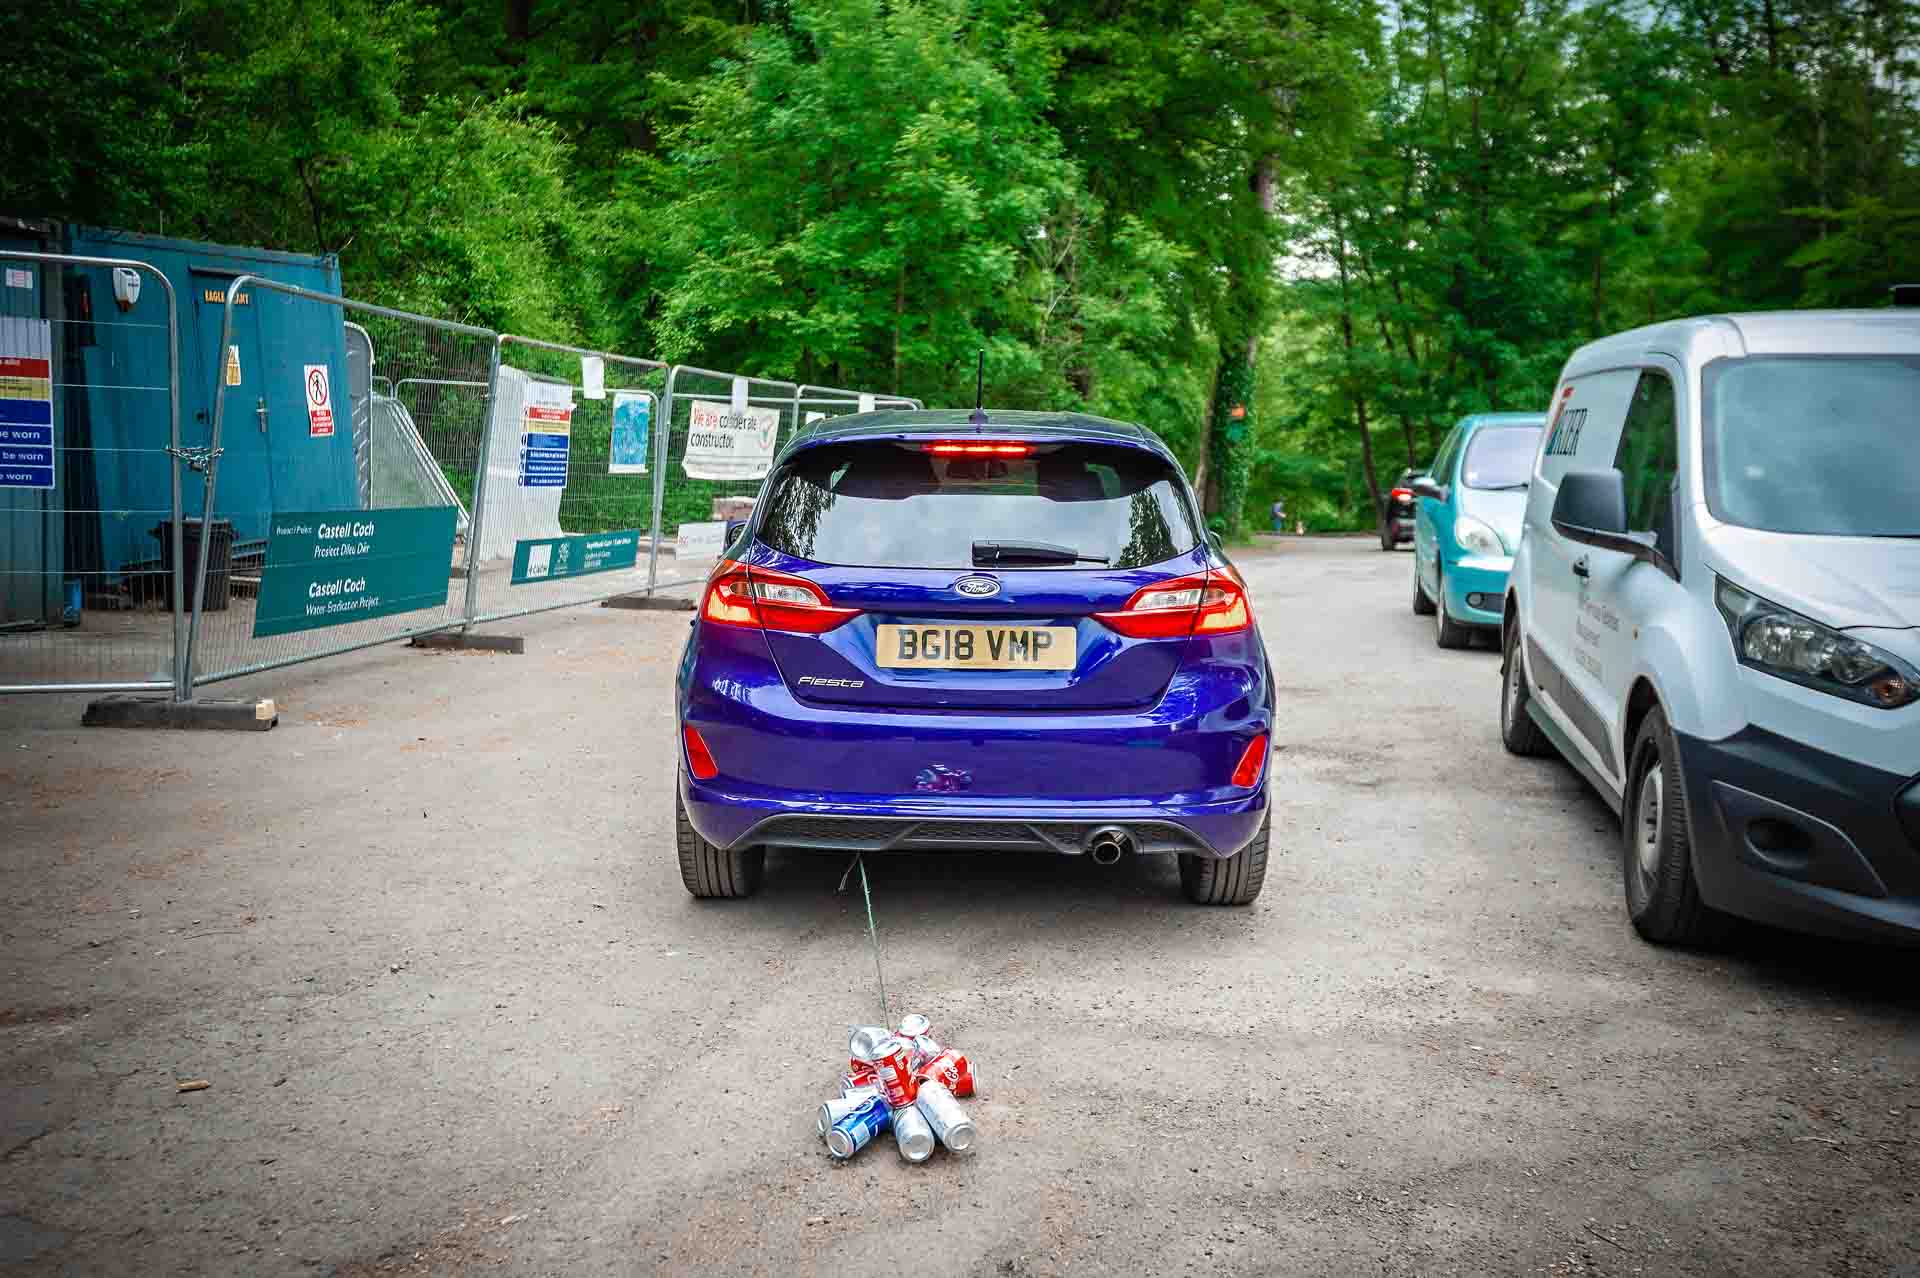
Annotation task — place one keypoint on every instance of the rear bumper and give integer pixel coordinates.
(1484, 578)
(1793, 836)
(907, 823)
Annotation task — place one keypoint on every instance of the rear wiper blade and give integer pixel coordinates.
(988, 553)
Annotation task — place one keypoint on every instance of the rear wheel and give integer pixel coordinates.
(1387, 540)
(1447, 632)
(1234, 880)
(709, 871)
(1663, 897)
(1518, 732)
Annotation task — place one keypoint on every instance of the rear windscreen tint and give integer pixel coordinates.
(887, 505)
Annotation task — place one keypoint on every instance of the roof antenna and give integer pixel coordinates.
(979, 417)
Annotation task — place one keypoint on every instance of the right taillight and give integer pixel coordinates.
(741, 596)
(1207, 603)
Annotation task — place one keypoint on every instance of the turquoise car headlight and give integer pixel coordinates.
(1477, 538)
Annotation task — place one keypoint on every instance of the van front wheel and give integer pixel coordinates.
(1663, 896)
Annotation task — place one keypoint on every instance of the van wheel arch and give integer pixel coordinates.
(1642, 699)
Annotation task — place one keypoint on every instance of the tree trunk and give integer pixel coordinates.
(1353, 380)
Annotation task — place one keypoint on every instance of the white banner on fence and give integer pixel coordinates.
(512, 513)
(729, 442)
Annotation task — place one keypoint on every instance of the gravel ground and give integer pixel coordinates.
(427, 945)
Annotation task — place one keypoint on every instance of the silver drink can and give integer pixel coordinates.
(863, 1041)
(943, 1113)
(850, 1090)
(913, 1134)
(922, 1048)
(834, 1110)
(913, 1025)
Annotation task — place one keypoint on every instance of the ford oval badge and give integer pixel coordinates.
(977, 587)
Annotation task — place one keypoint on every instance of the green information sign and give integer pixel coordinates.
(336, 567)
(548, 558)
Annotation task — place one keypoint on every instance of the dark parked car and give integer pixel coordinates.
(1399, 525)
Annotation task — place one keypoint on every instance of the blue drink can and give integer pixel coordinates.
(853, 1132)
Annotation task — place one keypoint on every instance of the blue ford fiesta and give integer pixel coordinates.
(943, 632)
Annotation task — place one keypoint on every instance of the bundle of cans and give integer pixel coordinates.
(900, 1081)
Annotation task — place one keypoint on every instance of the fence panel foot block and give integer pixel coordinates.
(164, 712)
(650, 603)
(454, 641)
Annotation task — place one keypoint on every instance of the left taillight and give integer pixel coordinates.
(741, 596)
(1206, 603)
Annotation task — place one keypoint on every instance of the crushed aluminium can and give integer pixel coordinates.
(854, 1131)
(914, 1024)
(943, 1113)
(913, 1133)
(851, 1090)
(894, 1065)
(951, 1069)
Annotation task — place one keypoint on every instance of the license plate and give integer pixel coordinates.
(975, 647)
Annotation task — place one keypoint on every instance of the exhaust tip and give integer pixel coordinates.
(1109, 844)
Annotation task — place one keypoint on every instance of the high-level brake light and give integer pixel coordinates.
(977, 448)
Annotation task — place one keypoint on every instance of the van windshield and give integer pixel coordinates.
(884, 504)
(1825, 445)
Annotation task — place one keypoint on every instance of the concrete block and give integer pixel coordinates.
(126, 711)
(650, 603)
(455, 641)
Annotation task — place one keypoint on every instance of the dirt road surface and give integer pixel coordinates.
(427, 945)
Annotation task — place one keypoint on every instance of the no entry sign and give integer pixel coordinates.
(319, 402)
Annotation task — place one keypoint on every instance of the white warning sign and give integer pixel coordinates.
(730, 441)
(319, 402)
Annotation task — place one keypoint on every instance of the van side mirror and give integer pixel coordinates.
(1591, 504)
(1427, 486)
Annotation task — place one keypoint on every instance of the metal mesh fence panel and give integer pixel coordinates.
(346, 511)
(90, 489)
(724, 430)
(566, 511)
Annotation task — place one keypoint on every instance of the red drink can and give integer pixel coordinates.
(952, 1070)
(893, 1063)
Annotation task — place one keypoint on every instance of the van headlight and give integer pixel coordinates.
(1476, 538)
(1782, 642)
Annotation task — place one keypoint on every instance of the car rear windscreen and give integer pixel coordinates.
(884, 504)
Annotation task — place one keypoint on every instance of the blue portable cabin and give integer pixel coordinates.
(114, 481)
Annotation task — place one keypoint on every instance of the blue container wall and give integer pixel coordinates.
(273, 457)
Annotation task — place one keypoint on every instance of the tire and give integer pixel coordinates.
(709, 871)
(1518, 732)
(1387, 540)
(1447, 632)
(1234, 880)
(1422, 606)
(1663, 897)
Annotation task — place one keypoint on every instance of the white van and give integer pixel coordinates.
(1714, 614)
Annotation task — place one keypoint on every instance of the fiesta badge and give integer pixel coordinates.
(977, 587)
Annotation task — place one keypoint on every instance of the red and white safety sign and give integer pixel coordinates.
(319, 402)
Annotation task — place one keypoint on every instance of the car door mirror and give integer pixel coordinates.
(1427, 486)
(734, 528)
(1591, 504)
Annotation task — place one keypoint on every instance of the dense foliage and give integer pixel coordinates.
(1298, 237)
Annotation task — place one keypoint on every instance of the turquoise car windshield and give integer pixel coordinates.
(1500, 457)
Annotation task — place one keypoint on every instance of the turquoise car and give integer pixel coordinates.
(1467, 524)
